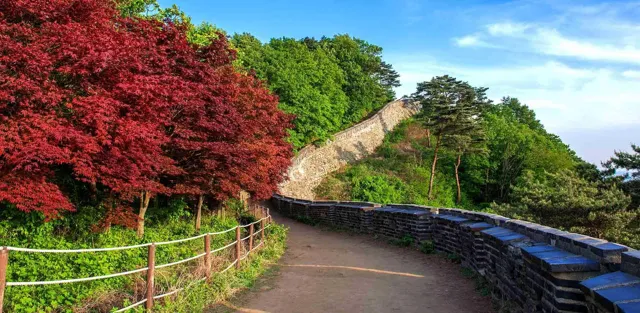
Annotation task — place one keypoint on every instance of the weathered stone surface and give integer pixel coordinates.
(313, 163)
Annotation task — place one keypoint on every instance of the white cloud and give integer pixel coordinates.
(472, 41)
(467, 41)
(507, 29)
(600, 39)
(552, 42)
(577, 66)
(631, 74)
(564, 97)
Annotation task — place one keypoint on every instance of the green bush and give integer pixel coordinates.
(28, 230)
(222, 286)
(405, 241)
(427, 247)
(378, 188)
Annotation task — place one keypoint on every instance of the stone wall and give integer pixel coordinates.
(530, 267)
(313, 163)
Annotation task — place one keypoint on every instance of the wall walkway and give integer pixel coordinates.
(531, 267)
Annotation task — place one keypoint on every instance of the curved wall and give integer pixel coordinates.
(530, 267)
(313, 163)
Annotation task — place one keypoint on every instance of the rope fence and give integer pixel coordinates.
(263, 222)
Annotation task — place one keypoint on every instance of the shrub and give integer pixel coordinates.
(28, 230)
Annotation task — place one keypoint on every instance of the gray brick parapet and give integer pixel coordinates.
(530, 267)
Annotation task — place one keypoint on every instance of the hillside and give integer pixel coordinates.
(519, 170)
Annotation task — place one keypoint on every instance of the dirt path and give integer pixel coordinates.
(327, 271)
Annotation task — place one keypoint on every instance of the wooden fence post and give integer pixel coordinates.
(251, 237)
(151, 264)
(207, 256)
(4, 261)
(238, 243)
(262, 233)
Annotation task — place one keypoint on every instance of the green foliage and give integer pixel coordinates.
(630, 181)
(328, 84)
(455, 258)
(565, 200)
(308, 83)
(306, 220)
(28, 230)
(396, 173)
(452, 110)
(481, 284)
(223, 286)
(201, 34)
(427, 247)
(405, 241)
(377, 188)
(517, 143)
(369, 81)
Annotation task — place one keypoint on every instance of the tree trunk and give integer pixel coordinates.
(458, 198)
(199, 213)
(486, 186)
(94, 191)
(433, 168)
(428, 138)
(145, 196)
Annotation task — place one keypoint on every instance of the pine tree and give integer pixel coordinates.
(630, 182)
(451, 111)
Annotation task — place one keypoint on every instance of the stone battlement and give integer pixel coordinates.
(312, 163)
(530, 267)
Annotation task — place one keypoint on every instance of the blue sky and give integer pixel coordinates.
(576, 63)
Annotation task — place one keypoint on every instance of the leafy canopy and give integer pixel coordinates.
(120, 105)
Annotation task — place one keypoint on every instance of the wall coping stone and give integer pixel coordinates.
(402, 210)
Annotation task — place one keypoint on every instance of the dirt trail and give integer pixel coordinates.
(328, 271)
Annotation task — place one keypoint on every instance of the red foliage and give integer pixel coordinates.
(128, 104)
(119, 215)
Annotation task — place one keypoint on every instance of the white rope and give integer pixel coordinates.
(224, 231)
(131, 306)
(245, 238)
(249, 252)
(129, 247)
(78, 250)
(76, 280)
(178, 240)
(167, 294)
(181, 261)
(227, 246)
(228, 267)
(256, 247)
(258, 221)
(179, 289)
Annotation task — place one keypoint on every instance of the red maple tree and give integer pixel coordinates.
(130, 106)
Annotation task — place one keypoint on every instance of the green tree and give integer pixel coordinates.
(451, 110)
(630, 181)
(517, 142)
(369, 81)
(566, 200)
(197, 34)
(308, 82)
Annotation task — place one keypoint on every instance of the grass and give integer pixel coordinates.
(223, 286)
(405, 241)
(481, 284)
(28, 230)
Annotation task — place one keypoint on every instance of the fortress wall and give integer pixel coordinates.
(313, 163)
(530, 267)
